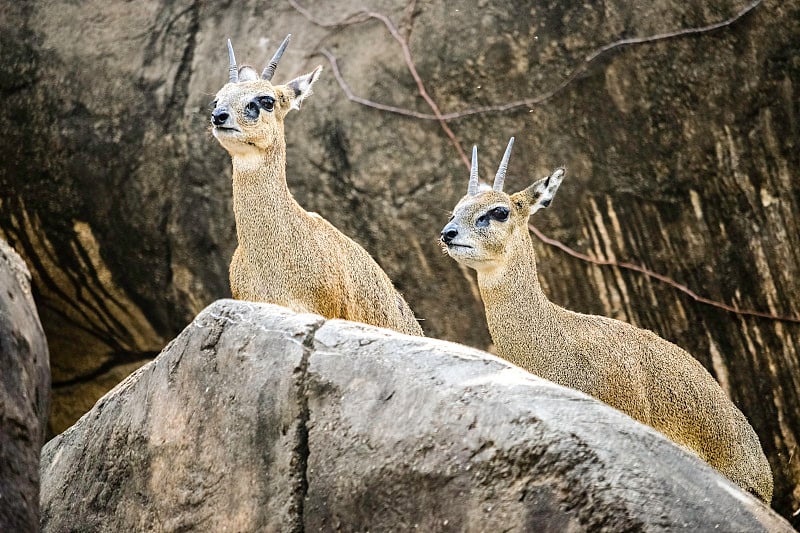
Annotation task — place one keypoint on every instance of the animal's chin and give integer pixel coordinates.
(225, 133)
(460, 251)
(234, 141)
(459, 247)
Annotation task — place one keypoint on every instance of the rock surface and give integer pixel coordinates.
(258, 419)
(24, 395)
(682, 156)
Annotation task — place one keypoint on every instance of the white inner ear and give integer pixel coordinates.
(303, 85)
(548, 191)
(541, 203)
(247, 73)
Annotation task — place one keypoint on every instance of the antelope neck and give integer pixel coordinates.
(262, 203)
(513, 288)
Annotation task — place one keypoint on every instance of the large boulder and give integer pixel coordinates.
(681, 155)
(24, 395)
(259, 419)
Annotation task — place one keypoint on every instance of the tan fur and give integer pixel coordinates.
(631, 369)
(286, 255)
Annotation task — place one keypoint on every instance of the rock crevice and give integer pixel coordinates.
(301, 447)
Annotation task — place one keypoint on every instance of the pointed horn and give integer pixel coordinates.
(233, 71)
(269, 70)
(500, 177)
(473, 173)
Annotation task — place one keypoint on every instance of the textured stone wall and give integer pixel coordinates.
(681, 155)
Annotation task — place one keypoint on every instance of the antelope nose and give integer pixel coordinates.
(449, 233)
(219, 116)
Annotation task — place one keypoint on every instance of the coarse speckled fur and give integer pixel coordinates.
(286, 255)
(630, 369)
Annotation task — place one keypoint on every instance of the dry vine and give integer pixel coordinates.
(660, 277)
(437, 115)
(363, 16)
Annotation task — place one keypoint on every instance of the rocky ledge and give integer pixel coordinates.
(258, 419)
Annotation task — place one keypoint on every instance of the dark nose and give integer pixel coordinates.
(449, 233)
(219, 116)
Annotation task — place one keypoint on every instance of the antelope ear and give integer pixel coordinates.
(247, 73)
(540, 194)
(300, 88)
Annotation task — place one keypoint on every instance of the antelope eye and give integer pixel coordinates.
(267, 103)
(499, 213)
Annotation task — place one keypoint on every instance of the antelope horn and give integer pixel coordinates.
(473, 173)
(500, 177)
(269, 70)
(233, 71)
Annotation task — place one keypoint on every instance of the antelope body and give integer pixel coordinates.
(630, 369)
(286, 255)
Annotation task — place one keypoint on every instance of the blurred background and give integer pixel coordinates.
(678, 123)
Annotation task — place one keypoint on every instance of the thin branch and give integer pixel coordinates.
(677, 33)
(363, 101)
(412, 68)
(660, 277)
(353, 18)
(362, 16)
(583, 67)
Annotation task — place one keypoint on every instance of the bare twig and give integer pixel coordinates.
(533, 101)
(362, 16)
(591, 58)
(412, 68)
(353, 18)
(660, 277)
(363, 101)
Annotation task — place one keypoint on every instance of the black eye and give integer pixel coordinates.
(267, 103)
(499, 213)
(251, 110)
(214, 105)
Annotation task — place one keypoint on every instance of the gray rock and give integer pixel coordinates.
(204, 437)
(24, 395)
(258, 419)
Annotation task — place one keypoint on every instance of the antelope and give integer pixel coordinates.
(286, 255)
(628, 368)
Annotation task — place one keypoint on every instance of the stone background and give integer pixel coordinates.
(681, 153)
